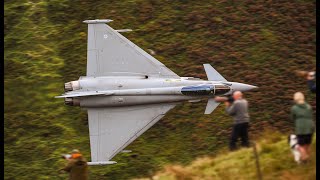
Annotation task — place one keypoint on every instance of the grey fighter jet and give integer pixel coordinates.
(126, 90)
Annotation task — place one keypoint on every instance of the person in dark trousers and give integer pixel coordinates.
(301, 114)
(77, 166)
(239, 111)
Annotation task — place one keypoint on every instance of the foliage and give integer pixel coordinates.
(275, 159)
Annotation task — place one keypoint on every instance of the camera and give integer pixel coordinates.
(66, 156)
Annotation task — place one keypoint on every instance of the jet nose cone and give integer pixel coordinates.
(242, 87)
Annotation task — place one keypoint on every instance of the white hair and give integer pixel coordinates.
(298, 97)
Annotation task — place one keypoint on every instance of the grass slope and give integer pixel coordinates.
(275, 157)
(255, 42)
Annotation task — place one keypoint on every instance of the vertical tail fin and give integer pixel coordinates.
(212, 74)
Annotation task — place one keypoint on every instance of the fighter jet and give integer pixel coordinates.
(126, 90)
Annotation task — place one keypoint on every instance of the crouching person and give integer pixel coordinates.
(77, 166)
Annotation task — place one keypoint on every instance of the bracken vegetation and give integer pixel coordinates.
(256, 42)
(275, 161)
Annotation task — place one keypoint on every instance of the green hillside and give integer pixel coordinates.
(275, 160)
(255, 42)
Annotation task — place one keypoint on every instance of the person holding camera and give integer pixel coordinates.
(311, 79)
(237, 107)
(77, 166)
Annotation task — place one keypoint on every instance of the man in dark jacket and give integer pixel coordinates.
(77, 166)
(311, 81)
(239, 111)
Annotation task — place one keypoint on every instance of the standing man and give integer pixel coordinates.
(239, 111)
(77, 166)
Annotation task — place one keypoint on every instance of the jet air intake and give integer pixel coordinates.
(71, 86)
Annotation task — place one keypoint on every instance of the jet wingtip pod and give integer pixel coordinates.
(97, 21)
(101, 163)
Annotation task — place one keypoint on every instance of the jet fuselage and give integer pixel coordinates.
(139, 90)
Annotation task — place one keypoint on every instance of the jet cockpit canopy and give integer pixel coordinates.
(205, 90)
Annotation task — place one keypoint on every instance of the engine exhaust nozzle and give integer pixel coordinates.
(71, 86)
(72, 101)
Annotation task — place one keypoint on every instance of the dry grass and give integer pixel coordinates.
(275, 157)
